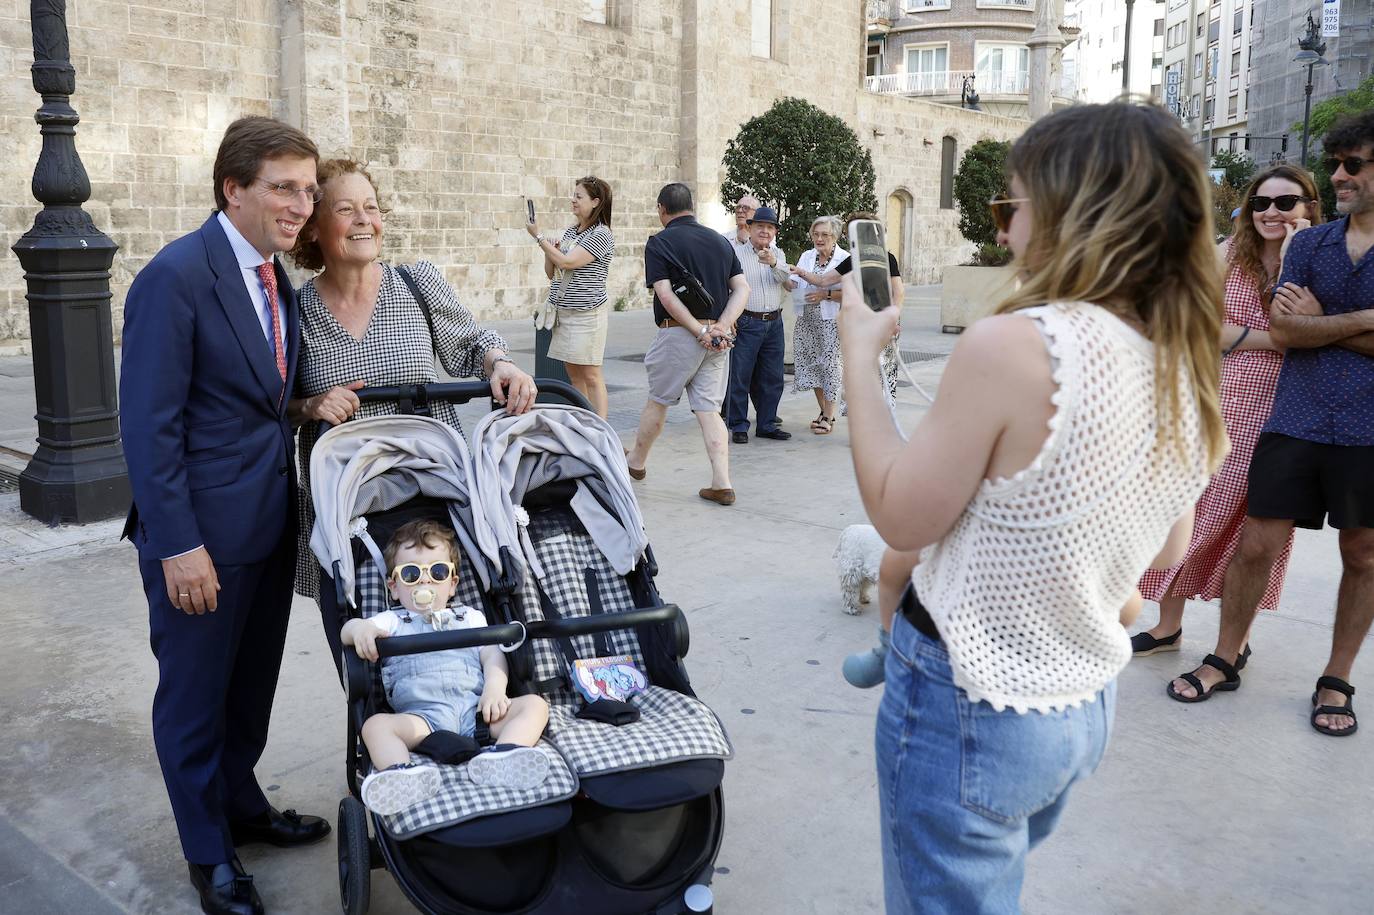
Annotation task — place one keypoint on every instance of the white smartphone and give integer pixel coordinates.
(868, 248)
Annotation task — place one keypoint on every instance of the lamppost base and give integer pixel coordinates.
(72, 487)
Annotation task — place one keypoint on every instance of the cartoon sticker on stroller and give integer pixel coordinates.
(608, 678)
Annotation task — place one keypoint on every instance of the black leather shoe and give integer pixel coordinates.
(284, 829)
(740, 438)
(777, 435)
(225, 889)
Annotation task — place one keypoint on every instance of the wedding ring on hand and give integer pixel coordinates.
(184, 594)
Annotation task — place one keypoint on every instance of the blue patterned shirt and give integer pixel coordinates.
(1326, 394)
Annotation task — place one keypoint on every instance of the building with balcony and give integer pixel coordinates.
(1207, 74)
(941, 50)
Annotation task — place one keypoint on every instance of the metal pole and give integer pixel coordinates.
(77, 473)
(1126, 57)
(1306, 113)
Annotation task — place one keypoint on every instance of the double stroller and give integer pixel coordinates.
(630, 817)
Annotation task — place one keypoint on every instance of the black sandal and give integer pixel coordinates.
(1348, 710)
(1142, 643)
(1232, 681)
(1243, 659)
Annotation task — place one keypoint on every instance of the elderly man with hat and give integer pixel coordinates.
(760, 340)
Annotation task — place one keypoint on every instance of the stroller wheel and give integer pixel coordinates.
(355, 857)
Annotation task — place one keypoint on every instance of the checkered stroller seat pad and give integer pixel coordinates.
(672, 727)
(459, 799)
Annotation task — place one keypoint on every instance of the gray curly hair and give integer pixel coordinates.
(832, 222)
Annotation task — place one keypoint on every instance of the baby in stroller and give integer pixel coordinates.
(439, 691)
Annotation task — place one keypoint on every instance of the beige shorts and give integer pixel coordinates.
(676, 362)
(579, 335)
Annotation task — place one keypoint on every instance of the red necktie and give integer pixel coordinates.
(269, 282)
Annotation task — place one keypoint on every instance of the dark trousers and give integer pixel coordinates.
(217, 674)
(755, 374)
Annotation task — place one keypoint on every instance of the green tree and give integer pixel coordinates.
(1324, 115)
(801, 161)
(1239, 168)
(982, 175)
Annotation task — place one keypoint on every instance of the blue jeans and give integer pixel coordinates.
(966, 791)
(755, 374)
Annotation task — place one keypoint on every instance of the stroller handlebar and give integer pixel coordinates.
(602, 622)
(501, 634)
(415, 398)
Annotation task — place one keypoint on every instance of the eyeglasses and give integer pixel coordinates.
(1284, 202)
(1352, 165)
(289, 191)
(410, 573)
(1003, 209)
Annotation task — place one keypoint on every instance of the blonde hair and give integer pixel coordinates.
(1121, 217)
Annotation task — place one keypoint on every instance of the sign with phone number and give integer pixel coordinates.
(1331, 18)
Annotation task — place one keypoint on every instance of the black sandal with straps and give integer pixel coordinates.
(1348, 710)
(1232, 681)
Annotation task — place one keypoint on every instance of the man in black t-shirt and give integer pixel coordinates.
(690, 353)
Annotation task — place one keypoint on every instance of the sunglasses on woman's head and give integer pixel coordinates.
(1003, 209)
(410, 573)
(1284, 202)
(1352, 164)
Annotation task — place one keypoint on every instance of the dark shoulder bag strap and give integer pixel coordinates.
(414, 288)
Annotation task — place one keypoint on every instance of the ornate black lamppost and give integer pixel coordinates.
(1311, 48)
(77, 473)
(968, 96)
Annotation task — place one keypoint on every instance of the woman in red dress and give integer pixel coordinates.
(1280, 201)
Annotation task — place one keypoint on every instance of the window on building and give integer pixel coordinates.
(1197, 65)
(595, 10)
(1195, 106)
(1213, 30)
(873, 63)
(1201, 23)
(1213, 58)
(1235, 63)
(927, 68)
(919, 6)
(762, 32)
(1159, 27)
(948, 150)
(1002, 67)
(1232, 106)
(1238, 22)
(1116, 34)
(1209, 109)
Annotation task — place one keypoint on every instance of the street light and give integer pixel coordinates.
(1310, 55)
(968, 96)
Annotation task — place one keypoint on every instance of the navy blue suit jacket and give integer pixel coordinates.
(203, 410)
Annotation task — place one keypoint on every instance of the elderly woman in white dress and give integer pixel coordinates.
(816, 343)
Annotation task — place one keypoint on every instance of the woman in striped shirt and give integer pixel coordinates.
(578, 265)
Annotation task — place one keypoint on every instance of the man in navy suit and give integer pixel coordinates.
(210, 346)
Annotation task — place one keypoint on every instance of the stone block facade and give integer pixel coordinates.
(459, 110)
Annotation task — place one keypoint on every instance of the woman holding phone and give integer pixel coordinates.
(578, 265)
(1071, 434)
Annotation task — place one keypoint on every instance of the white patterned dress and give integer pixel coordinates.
(396, 349)
(815, 338)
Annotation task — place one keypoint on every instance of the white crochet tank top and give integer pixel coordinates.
(1027, 587)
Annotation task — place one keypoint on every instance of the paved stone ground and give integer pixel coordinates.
(1234, 806)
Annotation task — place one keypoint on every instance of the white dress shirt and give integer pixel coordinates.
(249, 258)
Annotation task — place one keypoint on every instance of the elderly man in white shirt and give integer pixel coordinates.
(756, 362)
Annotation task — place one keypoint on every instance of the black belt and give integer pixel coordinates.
(917, 615)
(762, 315)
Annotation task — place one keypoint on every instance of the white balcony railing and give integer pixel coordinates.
(1006, 4)
(921, 6)
(949, 82)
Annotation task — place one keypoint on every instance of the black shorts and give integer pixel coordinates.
(1305, 482)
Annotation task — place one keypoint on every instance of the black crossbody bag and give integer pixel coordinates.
(700, 304)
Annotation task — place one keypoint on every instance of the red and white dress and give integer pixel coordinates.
(1248, 379)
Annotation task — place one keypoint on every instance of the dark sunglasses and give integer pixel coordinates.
(1003, 208)
(410, 573)
(1284, 202)
(1352, 164)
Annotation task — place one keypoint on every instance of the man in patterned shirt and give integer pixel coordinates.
(1315, 459)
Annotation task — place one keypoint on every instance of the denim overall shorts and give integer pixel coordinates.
(442, 687)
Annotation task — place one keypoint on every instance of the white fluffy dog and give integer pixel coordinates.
(857, 557)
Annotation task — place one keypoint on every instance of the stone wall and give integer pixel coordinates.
(459, 110)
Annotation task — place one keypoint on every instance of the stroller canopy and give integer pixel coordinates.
(370, 465)
(516, 454)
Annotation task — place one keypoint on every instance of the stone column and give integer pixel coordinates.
(1045, 44)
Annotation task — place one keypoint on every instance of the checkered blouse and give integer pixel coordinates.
(396, 349)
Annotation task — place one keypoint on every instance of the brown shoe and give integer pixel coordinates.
(718, 496)
(639, 474)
